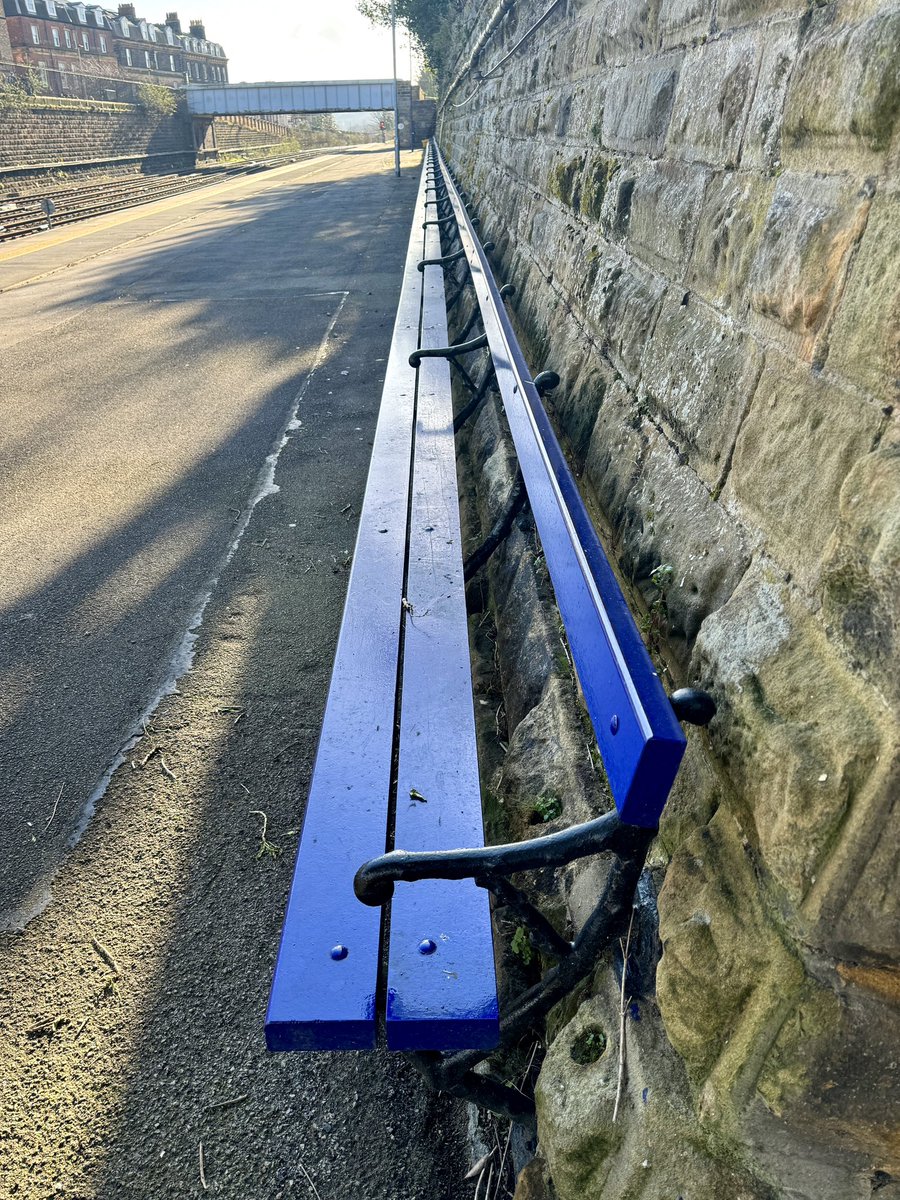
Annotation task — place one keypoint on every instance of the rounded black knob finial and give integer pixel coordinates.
(546, 382)
(693, 706)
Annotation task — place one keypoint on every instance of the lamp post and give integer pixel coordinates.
(396, 114)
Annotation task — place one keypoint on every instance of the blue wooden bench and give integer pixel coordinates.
(388, 922)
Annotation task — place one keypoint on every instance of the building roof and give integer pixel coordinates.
(94, 17)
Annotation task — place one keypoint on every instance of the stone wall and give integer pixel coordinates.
(242, 133)
(698, 203)
(51, 138)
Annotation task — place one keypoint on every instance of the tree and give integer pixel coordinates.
(425, 20)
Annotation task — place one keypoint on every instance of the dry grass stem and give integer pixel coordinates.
(265, 846)
(202, 1167)
(165, 768)
(55, 807)
(315, 1190)
(230, 1103)
(106, 956)
(479, 1166)
(625, 948)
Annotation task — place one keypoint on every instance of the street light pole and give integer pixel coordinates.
(396, 113)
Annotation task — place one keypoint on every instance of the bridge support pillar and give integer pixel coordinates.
(404, 114)
(204, 134)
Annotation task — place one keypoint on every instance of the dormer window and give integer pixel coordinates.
(170, 36)
(123, 25)
(51, 8)
(151, 29)
(81, 13)
(98, 17)
(143, 28)
(30, 6)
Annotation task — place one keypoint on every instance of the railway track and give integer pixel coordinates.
(21, 215)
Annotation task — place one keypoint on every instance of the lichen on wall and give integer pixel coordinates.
(699, 204)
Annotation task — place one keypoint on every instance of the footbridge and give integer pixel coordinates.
(262, 99)
(414, 114)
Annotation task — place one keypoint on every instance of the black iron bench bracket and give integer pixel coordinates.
(490, 867)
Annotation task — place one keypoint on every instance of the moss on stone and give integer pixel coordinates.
(600, 173)
(565, 182)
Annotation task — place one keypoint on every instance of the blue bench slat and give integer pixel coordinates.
(317, 1002)
(447, 999)
(639, 737)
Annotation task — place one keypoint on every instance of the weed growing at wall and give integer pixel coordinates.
(17, 90)
(154, 99)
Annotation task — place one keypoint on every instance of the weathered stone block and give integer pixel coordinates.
(615, 455)
(623, 307)
(663, 215)
(805, 740)
(584, 381)
(683, 22)
(712, 102)
(729, 228)
(638, 105)
(854, 905)
(801, 438)
(859, 582)
(812, 227)
(663, 517)
(547, 757)
(865, 336)
(651, 1149)
(730, 13)
(697, 375)
(623, 31)
(725, 973)
(844, 97)
(761, 143)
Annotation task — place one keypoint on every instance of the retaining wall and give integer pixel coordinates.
(698, 204)
(52, 138)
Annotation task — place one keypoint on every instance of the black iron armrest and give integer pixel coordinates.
(375, 879)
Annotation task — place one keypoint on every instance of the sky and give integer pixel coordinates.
(275, 40)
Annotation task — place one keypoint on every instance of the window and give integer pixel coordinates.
(68, 39)
(171, 62)
(151, 29)
(128, 61)
(81, 11)
(54, 33)
(35, 35)
(147, 59)
(86, 40)
(170, 36)
(123, 25)
(31, 6)
(51, 8)
(98, 17)
(102, 41)
(143, 28)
